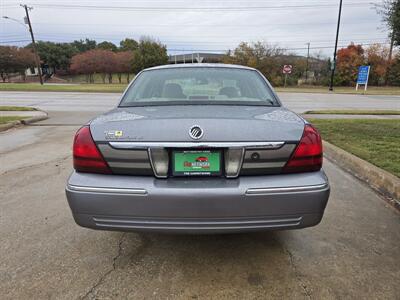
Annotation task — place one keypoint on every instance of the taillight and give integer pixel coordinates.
(307, 156)
(87, 158)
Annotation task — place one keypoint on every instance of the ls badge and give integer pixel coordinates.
(113, 134)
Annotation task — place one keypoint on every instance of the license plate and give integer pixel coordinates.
(196, 162)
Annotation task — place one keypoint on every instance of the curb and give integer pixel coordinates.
(34, 119)
(380, 180)
(4, 127)
(7, 126)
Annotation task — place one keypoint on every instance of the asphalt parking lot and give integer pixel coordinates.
(353, 253)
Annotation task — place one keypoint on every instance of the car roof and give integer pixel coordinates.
(198, 65)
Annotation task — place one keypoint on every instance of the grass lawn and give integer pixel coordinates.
(84, 87)
(7, 119)
(16, 108)
(376, 141)
(96, 77)
(353, 112)
(341, 90)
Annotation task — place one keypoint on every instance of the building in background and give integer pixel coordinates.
(195, 58)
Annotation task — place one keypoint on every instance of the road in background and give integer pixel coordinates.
(299, 102)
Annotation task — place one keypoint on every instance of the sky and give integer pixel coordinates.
(192, 26)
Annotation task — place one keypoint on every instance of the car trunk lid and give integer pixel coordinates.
(254, 140)
(219, 124)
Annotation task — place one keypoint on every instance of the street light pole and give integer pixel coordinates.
(308, 56)
(33, 42)
(333, 67)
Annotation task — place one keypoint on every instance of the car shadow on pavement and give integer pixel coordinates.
(197, 265)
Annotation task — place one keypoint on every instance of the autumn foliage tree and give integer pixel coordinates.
(348, 61)
(94, 61)
(103, 62)
(377, 59)
(15, 60)
(394, 71)
(124, 61)
(269, 59)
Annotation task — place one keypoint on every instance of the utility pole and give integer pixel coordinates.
(27, 9)
(308, 56)
(333, 67)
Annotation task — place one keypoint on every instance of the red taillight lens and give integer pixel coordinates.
(307, 156)
(87, 158)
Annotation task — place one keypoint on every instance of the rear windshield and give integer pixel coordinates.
(195, 85)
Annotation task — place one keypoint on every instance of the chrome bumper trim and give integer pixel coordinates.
(103, 190)
(145, 145)
(148, 222)
(296, 189)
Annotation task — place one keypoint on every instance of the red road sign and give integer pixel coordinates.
(287, 69)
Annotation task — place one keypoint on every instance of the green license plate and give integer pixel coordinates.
(196, 162)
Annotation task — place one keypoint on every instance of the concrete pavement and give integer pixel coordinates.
(353, 253)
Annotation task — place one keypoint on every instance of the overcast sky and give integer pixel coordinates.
(197, 25)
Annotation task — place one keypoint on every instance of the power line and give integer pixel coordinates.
(192, 9)
(199, 25)
(283, 48)
(14, 41)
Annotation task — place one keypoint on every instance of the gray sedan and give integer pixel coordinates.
(198, 148)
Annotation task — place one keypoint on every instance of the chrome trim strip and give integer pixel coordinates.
(295, 189)
(129, 165)
(212, 228)
(145, 145)
(103, 190)
(109, 220)
(265, 165)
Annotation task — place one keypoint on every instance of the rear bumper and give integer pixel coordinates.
(207, 205)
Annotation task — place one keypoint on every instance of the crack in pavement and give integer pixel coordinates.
(106, 274)
(36, 165)
(304, 286)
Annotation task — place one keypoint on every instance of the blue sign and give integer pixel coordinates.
(363, 73)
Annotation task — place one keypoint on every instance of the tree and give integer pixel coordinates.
(107, 46)
(390, 11)
(394, 72)
(55, 55)
(242, 55)
(348, 61)
(377, 58)
(124, 61)
(269, 59)
(84, 45)
(95, 61)
(15, 60)
(83, 63)
(149, 54)
(128, 44)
